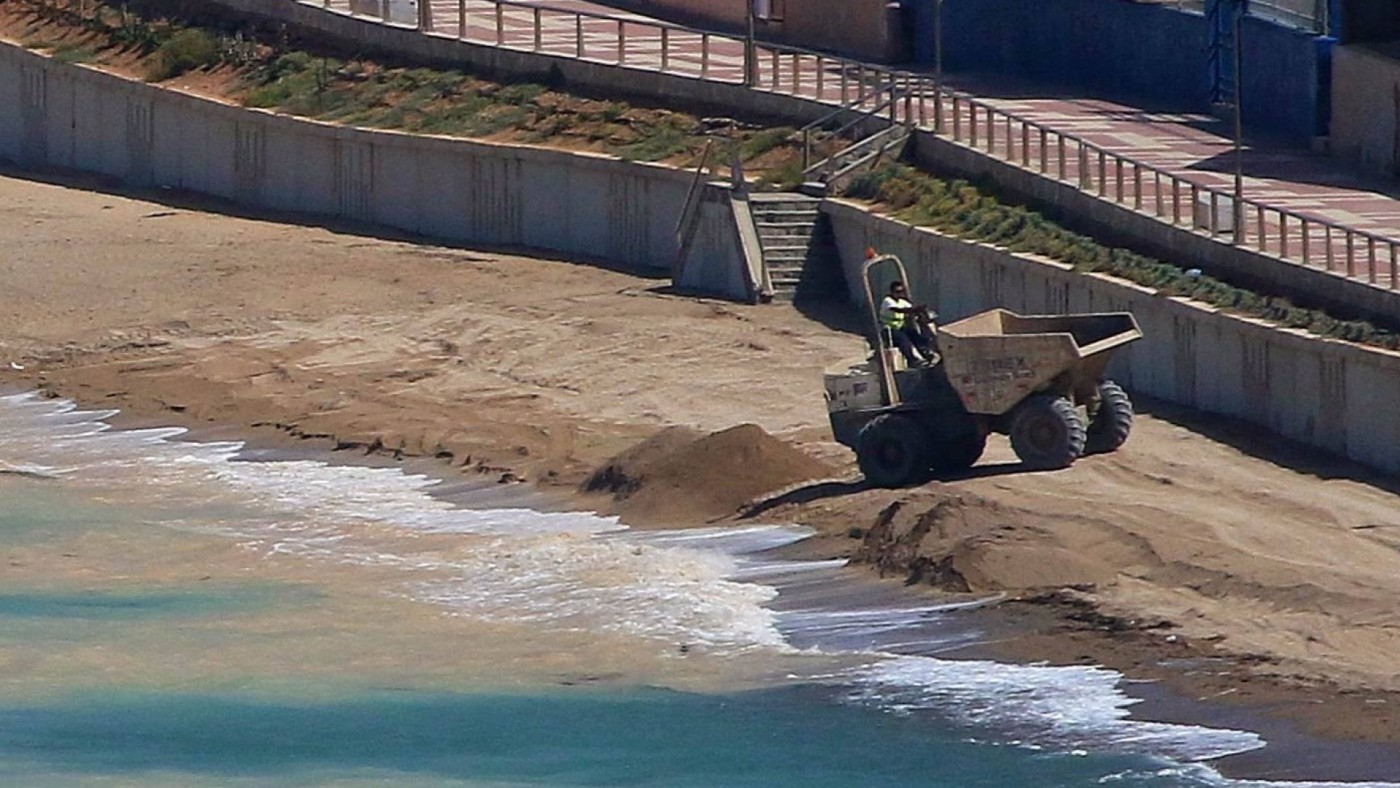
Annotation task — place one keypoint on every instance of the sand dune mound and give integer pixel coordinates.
(682, 476)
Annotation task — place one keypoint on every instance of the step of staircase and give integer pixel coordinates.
(799, 251)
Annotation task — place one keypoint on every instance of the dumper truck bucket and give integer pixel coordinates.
(998, 358)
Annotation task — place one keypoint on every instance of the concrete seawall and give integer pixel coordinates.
(1326, 394)
(59, 115)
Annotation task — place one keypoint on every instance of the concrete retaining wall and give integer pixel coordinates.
(579, 204)
(720, 254)
(1330, 395)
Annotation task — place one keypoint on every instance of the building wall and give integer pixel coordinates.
(1141, 51)
(856, 28)
(1366, 107)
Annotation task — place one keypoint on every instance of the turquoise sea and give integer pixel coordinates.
(180, 613)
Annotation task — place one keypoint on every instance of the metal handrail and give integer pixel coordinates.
(874, 155)
(853, 147)
(846, 107)
(689, 206)
(886, 90)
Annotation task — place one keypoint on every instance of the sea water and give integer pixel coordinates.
(173, 614)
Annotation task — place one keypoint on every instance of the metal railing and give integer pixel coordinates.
(865, 107)
(1290, 236)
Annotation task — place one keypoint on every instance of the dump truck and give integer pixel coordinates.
(1038, 379)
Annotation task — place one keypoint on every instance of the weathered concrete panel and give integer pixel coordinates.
(715, 263)
(11, 120)
(396, 190)
(33, 112)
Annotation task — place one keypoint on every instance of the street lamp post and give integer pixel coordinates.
(1241, 6)
(750, 46)
(938, 66)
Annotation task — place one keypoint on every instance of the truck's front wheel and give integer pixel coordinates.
(892, 451)
(1046, 432)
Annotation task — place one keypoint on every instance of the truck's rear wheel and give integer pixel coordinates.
(1109, 427)
(1046, 432)
(958, 454)
(892, 451)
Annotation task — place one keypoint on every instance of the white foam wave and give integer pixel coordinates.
(570, 569)
(1198, 775)
(1066, 708)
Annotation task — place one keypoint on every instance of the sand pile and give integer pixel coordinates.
(681, 476)
(963, 542)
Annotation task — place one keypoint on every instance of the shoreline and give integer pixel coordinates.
(1018, 629)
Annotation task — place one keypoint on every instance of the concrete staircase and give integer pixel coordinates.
(799, 250)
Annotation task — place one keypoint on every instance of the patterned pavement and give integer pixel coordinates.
(1197, 149)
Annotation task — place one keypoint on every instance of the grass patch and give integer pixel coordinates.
(662, 143)
(764, 141)
(961, 209)
(73, 53)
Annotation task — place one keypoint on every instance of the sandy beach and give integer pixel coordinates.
(1201, 543)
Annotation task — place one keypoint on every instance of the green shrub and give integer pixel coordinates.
(184, 51)
(521, 94)
(663, 143)
(764, 141)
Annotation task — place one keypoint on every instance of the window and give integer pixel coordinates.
(769, 10)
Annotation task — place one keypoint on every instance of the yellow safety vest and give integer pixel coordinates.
(889, 317)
